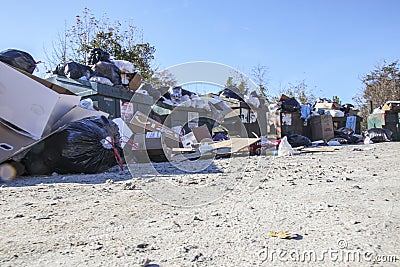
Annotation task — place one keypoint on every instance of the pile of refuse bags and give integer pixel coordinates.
(329, 107)
(89, 145)
(101, 69)
(53, 132)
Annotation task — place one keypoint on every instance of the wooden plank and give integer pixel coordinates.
(236, 144)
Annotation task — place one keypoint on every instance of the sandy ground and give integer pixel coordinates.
(343, 206)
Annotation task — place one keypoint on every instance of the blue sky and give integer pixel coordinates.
(328, 43)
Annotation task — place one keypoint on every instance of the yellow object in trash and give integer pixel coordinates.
(283, 235)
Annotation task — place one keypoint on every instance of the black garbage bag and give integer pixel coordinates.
(59, 70)
(108, 70)
(346, 108)
(290, 105)
(296, 140)
(379, 135)
(346, 134)
(90, 145)
(73, 70)
(19, 59)
(97, 55)
(342, 141)
(232, 92)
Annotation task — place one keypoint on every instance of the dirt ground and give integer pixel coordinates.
(342, 206)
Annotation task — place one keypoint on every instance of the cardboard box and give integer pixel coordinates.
(332, 105)
(135, 82)
(151, 146)
(29, 105)
(321, 127)
(140, 123)
(188, 140)
(201, 133)
(391, 105)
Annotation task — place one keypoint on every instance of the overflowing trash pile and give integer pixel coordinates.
(50, 132)
(102, 69)
(88, 118)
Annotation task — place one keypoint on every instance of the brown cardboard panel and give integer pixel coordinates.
(236, 144)
(201, 133)
(391, 105)
(135, 82)
(322, 127)
(332, 105)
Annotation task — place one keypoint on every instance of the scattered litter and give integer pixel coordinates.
(129, 186)
(364, 148)
(334, 143)
(285, 235)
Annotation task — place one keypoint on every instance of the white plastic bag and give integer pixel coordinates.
(86, 103)
(285, 149)
(101, 80)
(335, 113)
(368, 141)
(124, 66)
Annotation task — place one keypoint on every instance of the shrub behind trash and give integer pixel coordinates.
(19, 59)
(89, 145)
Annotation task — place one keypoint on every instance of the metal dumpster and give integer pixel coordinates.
(388, 120)
(339, 122)
(282, 124)
(186, 117)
